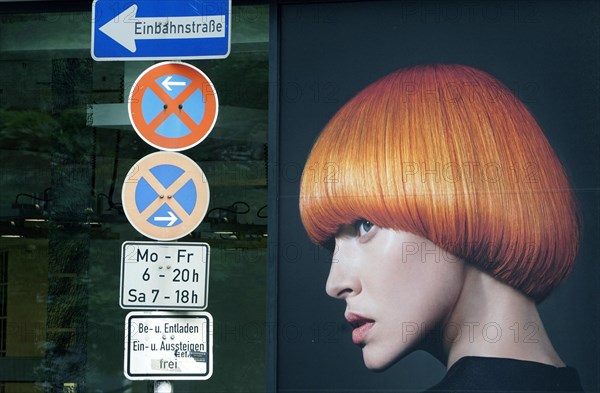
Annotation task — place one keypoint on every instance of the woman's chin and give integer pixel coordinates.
(378, 362)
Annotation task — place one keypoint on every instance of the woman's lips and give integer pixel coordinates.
(361, 327)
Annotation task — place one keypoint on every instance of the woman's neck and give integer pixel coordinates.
(492, 319)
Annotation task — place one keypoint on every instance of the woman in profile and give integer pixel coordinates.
(451, 218)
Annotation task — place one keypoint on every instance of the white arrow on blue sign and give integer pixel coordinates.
(153, 30)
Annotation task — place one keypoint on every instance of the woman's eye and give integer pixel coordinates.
(364, 226)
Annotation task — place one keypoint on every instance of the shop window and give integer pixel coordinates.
(66, 145)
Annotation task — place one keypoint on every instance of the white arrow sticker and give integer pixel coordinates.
(172, 218)
(127, 28)
(167, 83)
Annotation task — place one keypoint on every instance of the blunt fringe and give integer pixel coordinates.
(448, 153)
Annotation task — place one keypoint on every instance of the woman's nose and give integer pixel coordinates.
(343, 280)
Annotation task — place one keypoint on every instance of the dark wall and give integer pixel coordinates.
(546, 52)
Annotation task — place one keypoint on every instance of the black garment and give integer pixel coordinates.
(480, 374)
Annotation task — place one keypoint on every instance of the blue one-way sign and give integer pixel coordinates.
(161, 30)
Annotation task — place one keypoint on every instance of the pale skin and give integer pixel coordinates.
(403, 293)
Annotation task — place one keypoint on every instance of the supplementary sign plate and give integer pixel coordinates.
(173, 106)
(165, 196)
(160, 30)
(168, 345)
(163, 276)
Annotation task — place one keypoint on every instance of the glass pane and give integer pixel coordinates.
(66, 146)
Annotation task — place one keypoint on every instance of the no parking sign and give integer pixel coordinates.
(165, 196)
(173, 106)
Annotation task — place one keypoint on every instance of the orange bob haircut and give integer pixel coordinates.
(448, 153)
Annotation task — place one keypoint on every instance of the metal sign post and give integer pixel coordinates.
(163, 387)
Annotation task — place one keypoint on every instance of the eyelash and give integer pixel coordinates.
(362, 229)
(363, 225)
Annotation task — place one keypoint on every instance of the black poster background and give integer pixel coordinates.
(546, 52)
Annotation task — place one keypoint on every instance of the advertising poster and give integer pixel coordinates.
(452, 217)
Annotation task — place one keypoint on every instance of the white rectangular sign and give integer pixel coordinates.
(168, 345)
(160, 275)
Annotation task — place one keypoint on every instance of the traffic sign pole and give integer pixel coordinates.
(163, 387)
